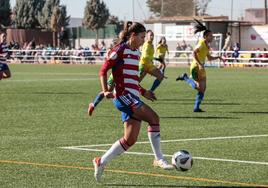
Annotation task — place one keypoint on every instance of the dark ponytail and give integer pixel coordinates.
(199, 27)
(129, 28)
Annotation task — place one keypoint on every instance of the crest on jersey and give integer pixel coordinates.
(113, 56)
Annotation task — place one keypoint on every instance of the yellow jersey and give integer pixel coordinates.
(202, 53)
(161, 50)
(147, 54)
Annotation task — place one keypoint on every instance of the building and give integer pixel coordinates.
(255, 15)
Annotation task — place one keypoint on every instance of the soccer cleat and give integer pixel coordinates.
(99, 168)
(162, 163)
(90, 109)
(199, 110)
(182, 77)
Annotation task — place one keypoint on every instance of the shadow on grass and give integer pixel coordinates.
(57, 93)
(192, 99)
(224, 104)
(194, 117)
(141, 185)
(249, 112)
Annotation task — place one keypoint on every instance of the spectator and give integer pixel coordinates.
(236, 50)
(183, 45)
(102, 48)
(252, 56)
(178, 48)
(265, 55)
(227, 42)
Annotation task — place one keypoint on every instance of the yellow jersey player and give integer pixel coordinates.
(146, 61)
(161, 51)
(198, 78)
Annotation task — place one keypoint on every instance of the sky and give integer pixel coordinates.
(123, 8)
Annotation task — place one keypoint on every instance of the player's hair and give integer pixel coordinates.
(162, 38)
(199, 27)
(131, 27)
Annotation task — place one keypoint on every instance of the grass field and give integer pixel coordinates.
(43, 111)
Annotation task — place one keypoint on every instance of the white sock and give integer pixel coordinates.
(115, 150)
(154, 138)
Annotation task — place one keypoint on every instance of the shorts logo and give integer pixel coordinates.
(113, 56)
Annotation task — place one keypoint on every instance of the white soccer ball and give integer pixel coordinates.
(182, 160)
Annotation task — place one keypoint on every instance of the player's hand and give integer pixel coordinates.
(108, 94)
(200, 66)
(149, 95)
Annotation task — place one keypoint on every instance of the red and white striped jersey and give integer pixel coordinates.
(124, 63)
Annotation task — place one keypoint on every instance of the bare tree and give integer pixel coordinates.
(201, 7)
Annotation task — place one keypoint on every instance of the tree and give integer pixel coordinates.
(59, 20)
(201, 7)
(45, 15)
(115, 21)
(169, 8)
(26, 12)
(95, 16)
(5, 13)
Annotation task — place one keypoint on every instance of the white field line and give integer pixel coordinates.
(151, 154)
(53, 80)
(90, 148)
(183, 140)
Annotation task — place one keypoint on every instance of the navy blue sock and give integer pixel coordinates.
(198, 99)
(155, 84)
(98, 99)
(191, 82)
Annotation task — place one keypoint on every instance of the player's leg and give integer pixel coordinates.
(145, 113)
(100, 96)
(201, 90)
(4, 71)
(192, 81)
(200, 96)
(159, 77)
(131, 132)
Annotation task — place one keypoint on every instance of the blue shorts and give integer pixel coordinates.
(126, 103)
(3, 67)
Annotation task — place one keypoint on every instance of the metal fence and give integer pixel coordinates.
(230, 58)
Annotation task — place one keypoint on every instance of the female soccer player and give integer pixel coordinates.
(197, 78)
(146, 62)
(146, 66)
(161, 50)
(124, 62)
(4, 70)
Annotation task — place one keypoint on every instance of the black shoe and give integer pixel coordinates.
(199, 110)
(182, 77)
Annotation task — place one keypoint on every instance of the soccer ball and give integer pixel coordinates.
(182, 160)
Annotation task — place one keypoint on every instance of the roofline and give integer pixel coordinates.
(189, 19)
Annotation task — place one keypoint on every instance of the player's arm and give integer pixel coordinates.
(109, 63)
(167, 49)
(196, 51)
(147, 94)
(211, 58)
